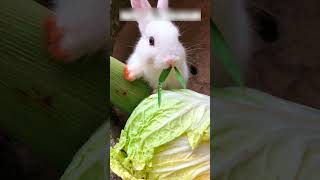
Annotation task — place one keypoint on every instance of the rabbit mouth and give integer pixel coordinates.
(150, 61)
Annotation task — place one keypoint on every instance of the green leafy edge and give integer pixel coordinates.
(222, 49)
(164, 75)
(180, 78)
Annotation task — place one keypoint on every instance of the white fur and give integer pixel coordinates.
(84, 23)
(230, 17)
(148, 61)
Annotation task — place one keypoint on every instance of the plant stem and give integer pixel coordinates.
(124, 94)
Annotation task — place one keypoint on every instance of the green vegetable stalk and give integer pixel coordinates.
(124, 94)
(51, 107)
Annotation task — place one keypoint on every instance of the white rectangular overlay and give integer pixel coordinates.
(160, 14)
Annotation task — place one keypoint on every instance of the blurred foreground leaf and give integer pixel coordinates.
(50, 106)
(260, 136)
(220, 47)
(90, 162)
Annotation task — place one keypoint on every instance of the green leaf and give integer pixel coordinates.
(159, 94)
(180, 78)
(222, 49)
(163, 76)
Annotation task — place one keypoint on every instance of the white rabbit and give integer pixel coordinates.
(158, 48)
(231, 18)
(76, 28)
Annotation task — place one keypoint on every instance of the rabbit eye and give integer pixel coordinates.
(151, 41)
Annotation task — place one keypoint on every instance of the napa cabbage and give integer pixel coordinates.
(167, 142)
(91, 159)
(259, 136)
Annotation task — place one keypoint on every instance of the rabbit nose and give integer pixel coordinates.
(171, 60)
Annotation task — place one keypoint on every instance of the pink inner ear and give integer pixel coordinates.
(140, 4)
(162, 4)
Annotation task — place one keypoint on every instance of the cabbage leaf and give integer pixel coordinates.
(91, 159)
(167, 142)
(258, 136)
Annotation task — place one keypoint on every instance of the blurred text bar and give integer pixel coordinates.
(159, 14)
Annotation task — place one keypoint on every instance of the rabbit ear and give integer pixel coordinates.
(140, 4)
(142, 25)
(163, 4)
